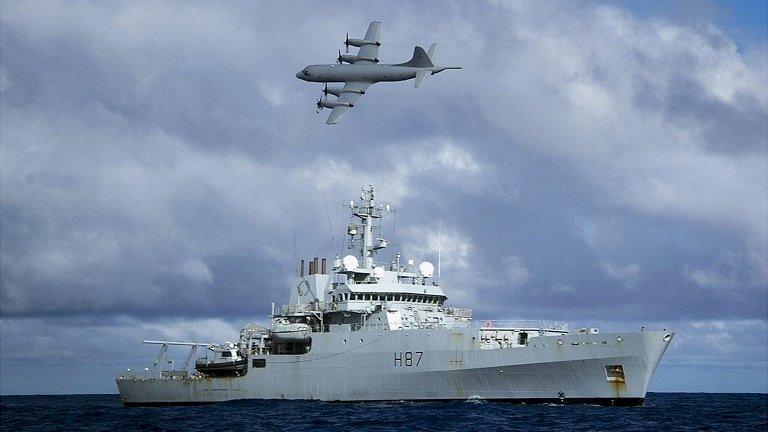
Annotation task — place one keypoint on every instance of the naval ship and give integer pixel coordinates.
(356, 329)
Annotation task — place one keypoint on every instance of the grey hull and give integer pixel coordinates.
(445, 364)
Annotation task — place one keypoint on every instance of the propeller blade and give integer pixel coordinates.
(346, 42)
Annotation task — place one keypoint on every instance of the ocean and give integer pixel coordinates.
(662, 411)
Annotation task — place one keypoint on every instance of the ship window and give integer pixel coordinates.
(259, 363)
(398, 297)
(366, 297)
(226, 354)
(390, 297)
(615, 373)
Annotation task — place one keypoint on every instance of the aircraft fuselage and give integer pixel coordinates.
(371, 73)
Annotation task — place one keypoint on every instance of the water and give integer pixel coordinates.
(662, 411)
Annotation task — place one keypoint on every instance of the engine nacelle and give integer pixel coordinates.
(338, 91)
(360, 42)
(333, 104)
(349, 58)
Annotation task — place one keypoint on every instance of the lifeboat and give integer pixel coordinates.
(226, 362)
(284, 330)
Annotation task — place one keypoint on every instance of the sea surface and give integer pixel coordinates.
(662, 411)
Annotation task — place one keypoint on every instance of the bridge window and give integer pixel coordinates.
(259, 363)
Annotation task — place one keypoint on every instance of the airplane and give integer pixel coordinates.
(363, 70)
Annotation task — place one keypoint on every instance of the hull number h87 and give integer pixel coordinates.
(408, 358)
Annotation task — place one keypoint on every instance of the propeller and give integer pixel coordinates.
(325, 90)
(338, 59)
(346, 42)
(319, 107)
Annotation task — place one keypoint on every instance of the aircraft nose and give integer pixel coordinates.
(298, 75)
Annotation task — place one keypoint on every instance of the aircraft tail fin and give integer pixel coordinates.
(420, 59)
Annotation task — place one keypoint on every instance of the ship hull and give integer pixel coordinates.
(428, 365)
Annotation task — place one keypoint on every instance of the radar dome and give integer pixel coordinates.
(350, 262)
(378, 272)
(426, 269)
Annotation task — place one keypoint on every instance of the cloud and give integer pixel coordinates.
(625, 273)
(644, 109)
(516, 271)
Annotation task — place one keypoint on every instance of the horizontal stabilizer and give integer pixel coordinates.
(432, 53)
(420, 75)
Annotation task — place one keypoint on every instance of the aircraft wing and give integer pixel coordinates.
(338, 112)
(372, 51)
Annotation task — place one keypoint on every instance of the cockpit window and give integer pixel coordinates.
(305, 72)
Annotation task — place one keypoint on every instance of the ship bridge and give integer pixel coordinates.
(359, 290)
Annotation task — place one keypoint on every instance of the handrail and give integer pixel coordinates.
(541, 325)
(176, 343)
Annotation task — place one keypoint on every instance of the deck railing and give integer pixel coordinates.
(540, 325)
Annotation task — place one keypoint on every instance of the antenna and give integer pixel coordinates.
(330, 225)
(394, 226)
(439, 246)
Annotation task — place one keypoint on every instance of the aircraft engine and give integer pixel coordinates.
(348, 58)
(338, 91)
(325, 103)
(359, 42)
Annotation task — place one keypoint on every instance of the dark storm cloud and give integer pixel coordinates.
(158, 157)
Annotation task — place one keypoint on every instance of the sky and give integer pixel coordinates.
(604, 164)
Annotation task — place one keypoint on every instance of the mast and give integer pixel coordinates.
(367, 211)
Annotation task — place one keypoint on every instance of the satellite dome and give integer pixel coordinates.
(350, 262)
(378, 272)
(426, 269)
